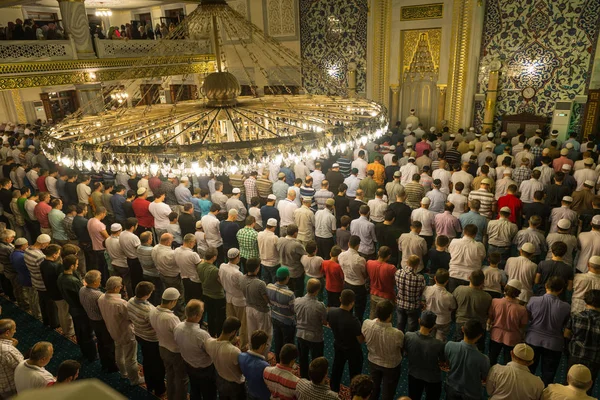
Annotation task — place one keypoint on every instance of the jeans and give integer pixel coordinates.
(433, 391)
(106, 345)
(215, 315)
(230, 390)
(441, 331)
(354, 357)
(550, 360)
(203, 382)
(360, 302)
(282, 334)
(269, 273)
(100, 265)
(389, 377)
(297, 285)
(85, 338)
(304, 348)
(154, 369)
(495, 350)
(177, 378)
(408, 320)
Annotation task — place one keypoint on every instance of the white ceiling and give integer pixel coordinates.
(112, 4)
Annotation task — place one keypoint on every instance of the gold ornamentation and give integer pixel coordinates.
(21, 116)
(459, 58)
(424, 11)
(382, 17)
(410, 43)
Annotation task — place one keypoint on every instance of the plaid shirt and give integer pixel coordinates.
(410, 288)
(536, 151)
(251, 191)
(521, 174)
(10, 357)
(246, 238)
(585, 342)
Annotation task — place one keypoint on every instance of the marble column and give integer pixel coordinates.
(441, 109)
(490, 102)
(91, 101)
(75, 22)
(395, 104)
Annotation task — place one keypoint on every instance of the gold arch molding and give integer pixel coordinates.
(410, 41)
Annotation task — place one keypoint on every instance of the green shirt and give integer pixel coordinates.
(248, 243)
(21, 204)
(209, 277)
(369, 187)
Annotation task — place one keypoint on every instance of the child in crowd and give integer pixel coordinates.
(254, 211)
(441, 302)
(342, 235)
(439, 257)
(195, 200)
(175, 230)
(495, 278)
(205, 203)
(334, 277)
(458, 199)
(313, 265)
(201, 245)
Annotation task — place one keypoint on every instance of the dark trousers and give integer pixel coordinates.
(315, 349)
(282, 334)
(154, 369)
(203, 382)
(333, 299)
(297, 286)
(156, 296)
(106, 345)
(324, 246)
(48, 309)
(495, 295)
(408, 320)
(33, 227)
(417, 386)
(100, 265)
(495, 350)
(452, 394)
(389, 377)
(428, 240)
(593, 366)
(136, 272)
(453, 283)
(220, 255)
(269, 273)
(360, 301)
(550, 360)
(191, 290)
(341, 356)
(141, 229)
(7, 287)
(230, 390)
(85, 335)
(215, 315)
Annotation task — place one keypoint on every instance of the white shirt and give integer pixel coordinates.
(187, 260)
(129, 243)
(117, 256)
(225, 356)
(212, 231)
(267, 248)
(164, 322)
(528, 188)
(191, 339)
(427, 218)
(164, 260)
(51, 185)
(29, 376)
(378, 208)
(441, 302)
(443, 176)
(407, 172)
(459, 201)
(581, 284)
(83, 193)
(301, 171)
(286, 209)
(353, 182)
(513, 381)
(353, 266)
(33, 175)
(589, 245)
(160, 212)
(230, 276)
(522, 269)
(466, 256)
(325, 224)
(554, 391)
(465, 178)
(143, 183)
(410, 243)
(318, 177)
(29, 207)
(384, 343)
(361, 165)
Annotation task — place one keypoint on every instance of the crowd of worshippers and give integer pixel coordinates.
(451, 238)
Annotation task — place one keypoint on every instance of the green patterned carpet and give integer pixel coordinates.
(30, 331)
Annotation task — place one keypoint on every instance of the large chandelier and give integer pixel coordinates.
(220, 131)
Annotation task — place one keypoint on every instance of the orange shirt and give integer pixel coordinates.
(379, 170)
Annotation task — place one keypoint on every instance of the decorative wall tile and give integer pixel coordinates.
(545, 44)
(333, 34)
(281, 19)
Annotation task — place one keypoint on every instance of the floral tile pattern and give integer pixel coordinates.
(548, 45)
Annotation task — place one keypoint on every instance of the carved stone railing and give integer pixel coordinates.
(106, 48)
(13, 51)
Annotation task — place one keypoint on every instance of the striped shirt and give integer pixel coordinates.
(144, 255)
(306, 390)
(486, 199)
(89, 301)
(321, 197)
(282, 303)
(33, 260)
(414, 193)
(281, 381)
(139, 313)
(345, 166)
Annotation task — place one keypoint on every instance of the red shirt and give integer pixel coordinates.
(41, 184)
(511, 201)
(382, 279)
(334, 276)
(140, 209)
(421, 146)
(154, 183)
(41, 211)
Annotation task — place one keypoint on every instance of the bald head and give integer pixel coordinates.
(166, 239)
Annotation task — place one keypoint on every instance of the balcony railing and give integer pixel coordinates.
(13, 51)
(16, 51)
(140, 48)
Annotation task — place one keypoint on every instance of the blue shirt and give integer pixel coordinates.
(253, 365)
(17, 259)
(548, 316)
(476, 219)
(267, 212)
(204, 205)
(289, 175)
(282, 303)
(117, 204)
(468, 367)
(183, 194)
